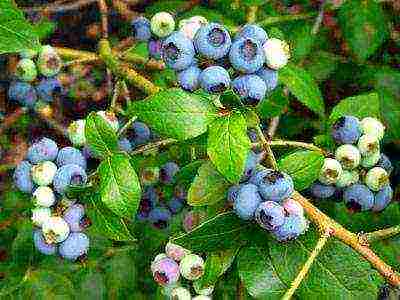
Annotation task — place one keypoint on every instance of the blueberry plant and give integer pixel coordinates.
(199, 149)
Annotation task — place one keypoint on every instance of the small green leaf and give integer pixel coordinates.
(119, 185)
(390, 108)
(175, 113)
(303, 87)
(228, 145)
(44, 28)
(104, 221)
(208, 187)
(274, 105)
(224, 231)
(303, 167)
(23, 251)
(361, 106)
(364, 26)
(100, 137)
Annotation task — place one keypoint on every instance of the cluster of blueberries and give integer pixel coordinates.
(265, 195)
(161, 198)
(36, 77)
(359, 173)
(46, 174)
(176, 263)
(204, 55)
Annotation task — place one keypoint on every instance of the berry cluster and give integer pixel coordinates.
(161, 199)
(28, 87)
(359, 173)
(264, 195)
(46, 173)
(176, 263)
(204, 55)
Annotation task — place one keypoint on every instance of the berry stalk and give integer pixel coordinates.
(381, 234)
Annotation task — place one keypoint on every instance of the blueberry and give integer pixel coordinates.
(147, 203)
(252, 134)
(49, 63)
(376, 178)
(276, 53)
(140, 133)
(189, 27)
(322, 191)
(175, 252)
(358, 197)
(180, 192)
(175, 205)
(168, 171)
(346, 130)
(385, 163)
(212, 41)
(191, 267)
(73, 216)
(250, 88)
(160, 217)
(246, 55)
(330, 172)
(178, 51)
(43, 173)
(124, 145)
(22, 177)
(162, 24)
(232, 193)
(75, 246)
(382, 198)
(41, 245)
(22, 92)
(252, 160)
(270, 215)
(214, 79)
(293, 227)
(141, 29)
(252, 31)
(348, 156)
(247, 201)
(188, 79)
(292, 207)
(26, 70)
(154, 46)
(165, 271)
(47, 88)
(43, 150)
(69, 175)
(269, 76)
(273, 185)
(372, 126)
(70, 155)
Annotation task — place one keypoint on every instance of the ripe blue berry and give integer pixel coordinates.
(247, 200)
(73, 216)
(273, 185)
(385, 163)
(212, 41)
(252, 160)
(165, 271)
(250, 88)
(188, 79)
(26, 70)
(168, 171)
(154, 46)
(178, 51)
(49, 63)
(382, 198)
(246, 55)
(140, 133)
(270, 215)
(293, 227)
(75, 246)
(175, 205)
(214, 79)
(70, 155)
(322, 191)
(22, 177)
(160, 217)
(69, 175)
(147, 203)
(292, 207)
(41, 245)
(269, 76)
(47, 88)
(358, 197)
(22, 92)
(43, 150)
(124, 145)
(232, 193)
(252, 31)
(141, 29)
(346, 130)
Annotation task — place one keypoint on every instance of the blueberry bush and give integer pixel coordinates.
(181, 150)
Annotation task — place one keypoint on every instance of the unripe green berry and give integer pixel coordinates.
(55, 230)
(192, 267)
(201, 297)
(43, 173)
(330, 172)
(162, 24)
(348, 178)
(44, 196)
(110, 118)
(373, 127)
(150, 175)
(376, 178)
(76, 133)
(40, 215)
(26, 70)
(277, 53)
(368, 144)
(180, 293)
(348, 156)
(49, 62)
(370, 160)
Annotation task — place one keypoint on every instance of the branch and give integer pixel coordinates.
(251, 16)
(12, 118)
(287, 18)
(380, 234)
(266, 145)
(59, 7)
(152, 146)
(273, 126)
(282, 143)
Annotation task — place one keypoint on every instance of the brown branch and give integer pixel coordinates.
(58, 6)
(12, 118)
(273, 126)
(380, 234)
(123, 10)
(152, 146)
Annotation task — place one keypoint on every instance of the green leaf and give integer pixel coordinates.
(302, 40)
(92, 286)
(16, 33)
(322, 64)
(303, 87)
(258, 273)
(44, 28)
(361, 106)
(104, 221)
(175, 113)
(390, 109)
(364, 26)
(228, 145)
(119, 185)
(274, 105)
(100, 137)
(303, 167)
(208, 187)
(23, 250)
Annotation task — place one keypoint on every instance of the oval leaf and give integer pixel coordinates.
(228, 145)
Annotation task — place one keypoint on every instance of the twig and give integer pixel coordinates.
(104, 18)
(265, 144)
(12, 118)
(251, 16)
(42, 113)
(59, 7)
(381, 234)
(152, 146)
(287, 18)
(319, 19)
(126, 126)
(282, 143)
(273, 126)
(123, 10)
(305, 269)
